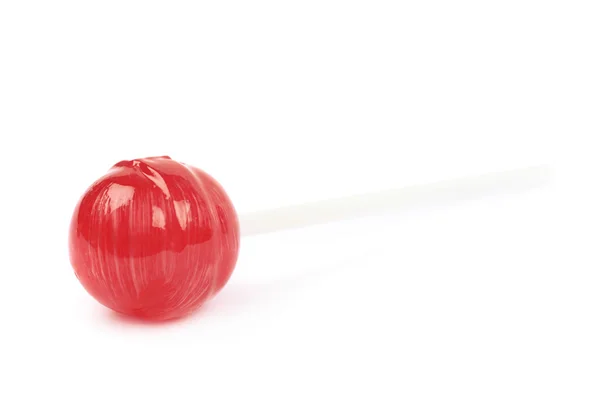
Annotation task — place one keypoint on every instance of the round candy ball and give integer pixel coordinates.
(154, 238)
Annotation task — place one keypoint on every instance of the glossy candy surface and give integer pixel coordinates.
(154, 238)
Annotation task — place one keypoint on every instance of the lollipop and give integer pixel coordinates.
(154, 238)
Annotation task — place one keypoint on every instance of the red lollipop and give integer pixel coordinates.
(154, 238)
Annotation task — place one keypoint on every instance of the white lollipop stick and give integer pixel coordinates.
(392, 200)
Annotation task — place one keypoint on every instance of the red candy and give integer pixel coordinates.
(154, 238)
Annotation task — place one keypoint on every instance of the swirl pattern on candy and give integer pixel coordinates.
(154, 238)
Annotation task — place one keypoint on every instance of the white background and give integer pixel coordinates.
(486, 305)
